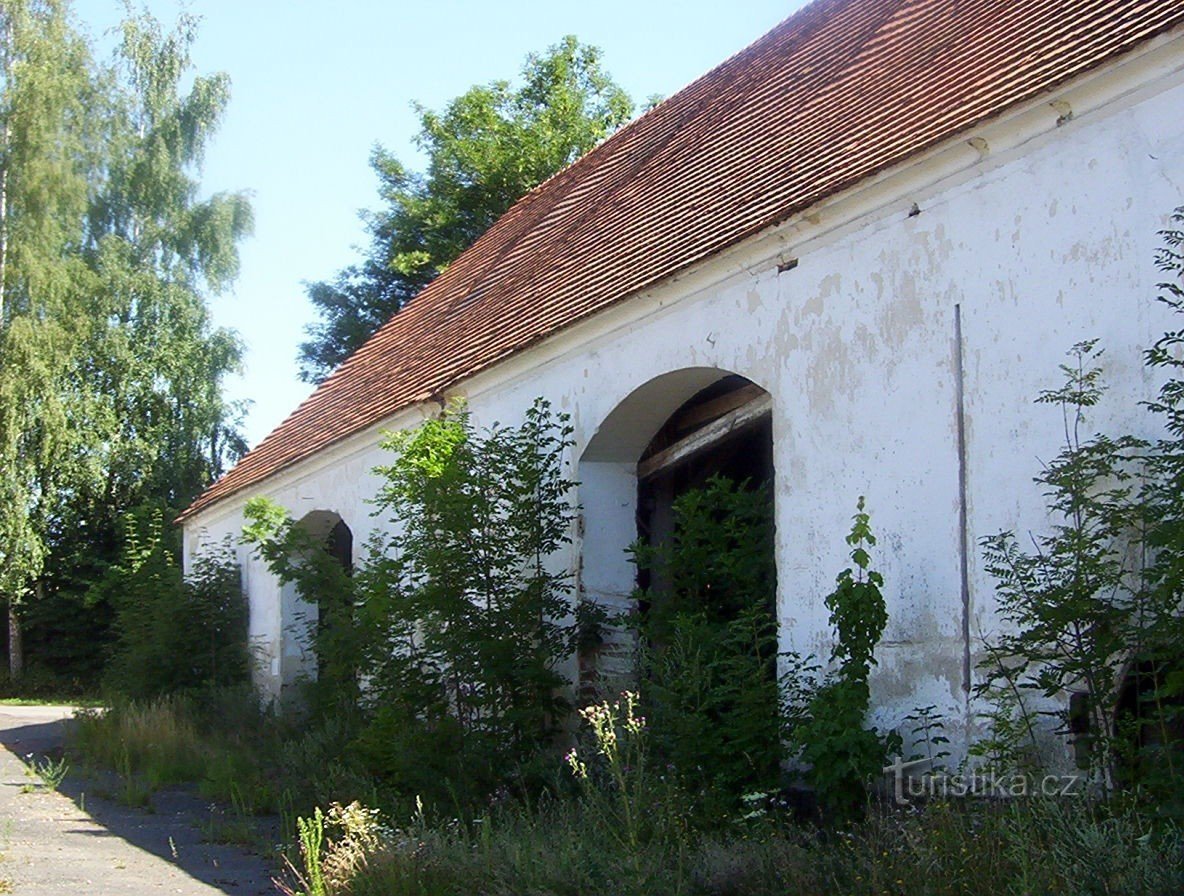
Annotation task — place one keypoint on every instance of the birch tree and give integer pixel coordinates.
(111, 372)
(46, 157)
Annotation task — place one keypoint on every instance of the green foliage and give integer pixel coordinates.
(45, 773)
(469, 613)
(928, 729)
(110, 371)
(1159, 676)
(709, 644)
(984, 847)
(294, 554)
(45, 165)
(486, 149)
(828, 720)
(174, 633)
(857, 609)
(312, 842)
(457, 618)
(1098, 598)
(1069, 601)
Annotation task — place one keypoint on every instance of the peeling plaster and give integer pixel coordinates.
(854, 344)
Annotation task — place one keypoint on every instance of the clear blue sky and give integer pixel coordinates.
(317, 84)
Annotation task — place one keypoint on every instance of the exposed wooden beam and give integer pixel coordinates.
(713, 432)
(717, 407)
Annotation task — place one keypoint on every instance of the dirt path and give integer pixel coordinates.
(72, 842)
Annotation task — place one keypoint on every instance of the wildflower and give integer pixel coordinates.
(578, 767)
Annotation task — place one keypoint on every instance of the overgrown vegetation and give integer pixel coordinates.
(111, 372)
(174, 633)
(708, 645)
(1094, 609)
(623, 834)
(440, 688)
(458, 619)
(828, 719)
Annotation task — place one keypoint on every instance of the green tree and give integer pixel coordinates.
(174, 633)
(156, 250)
(458, 619)
(489, 147)
(46, 162)
(1164, 485)
(1071, 602)
(111, 371)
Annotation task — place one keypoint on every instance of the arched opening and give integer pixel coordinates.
(669, 436)
(302, 617)
(723, 431)
(683, 472)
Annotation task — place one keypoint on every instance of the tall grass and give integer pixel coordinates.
(222, 740)
(584, 842)
(156, 739)
(939, 850)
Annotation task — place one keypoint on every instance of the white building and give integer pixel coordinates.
(892, 216)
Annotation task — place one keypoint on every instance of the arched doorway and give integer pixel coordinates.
(667, 437)
(686, 469)
(303, 618)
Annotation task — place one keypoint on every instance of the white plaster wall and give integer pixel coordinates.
(1047, 243)
(342, 482)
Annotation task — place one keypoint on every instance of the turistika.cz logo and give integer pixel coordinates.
(985, 782)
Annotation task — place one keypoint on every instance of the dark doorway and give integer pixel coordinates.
(724, 430)
(707, 608)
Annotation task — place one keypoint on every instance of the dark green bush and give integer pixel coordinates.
(174, 632)
(708, 668)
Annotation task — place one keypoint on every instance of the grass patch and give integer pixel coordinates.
(939, 850)
(236, 753)
(58, 700)
(596, 838)
(156, 740)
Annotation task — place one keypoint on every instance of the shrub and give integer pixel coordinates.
(1100, 594)
(456, 620)
(708, 635)
(827, 720)
(174, 632)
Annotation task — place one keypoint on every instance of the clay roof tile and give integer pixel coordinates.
(839, 91)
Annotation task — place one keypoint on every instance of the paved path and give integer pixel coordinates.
(71, 843)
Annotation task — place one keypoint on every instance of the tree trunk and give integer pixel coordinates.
(16, 648)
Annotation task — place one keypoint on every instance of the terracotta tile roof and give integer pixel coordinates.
(839, 91)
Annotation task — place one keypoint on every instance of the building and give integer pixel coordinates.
(867, 240)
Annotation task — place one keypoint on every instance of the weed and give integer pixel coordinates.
(966, 849)
(134, 791)
(235, 828)
(310, 877)
(44, 773)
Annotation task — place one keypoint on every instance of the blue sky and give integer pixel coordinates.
(316, 85)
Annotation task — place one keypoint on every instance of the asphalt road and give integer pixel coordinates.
(73, 842)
